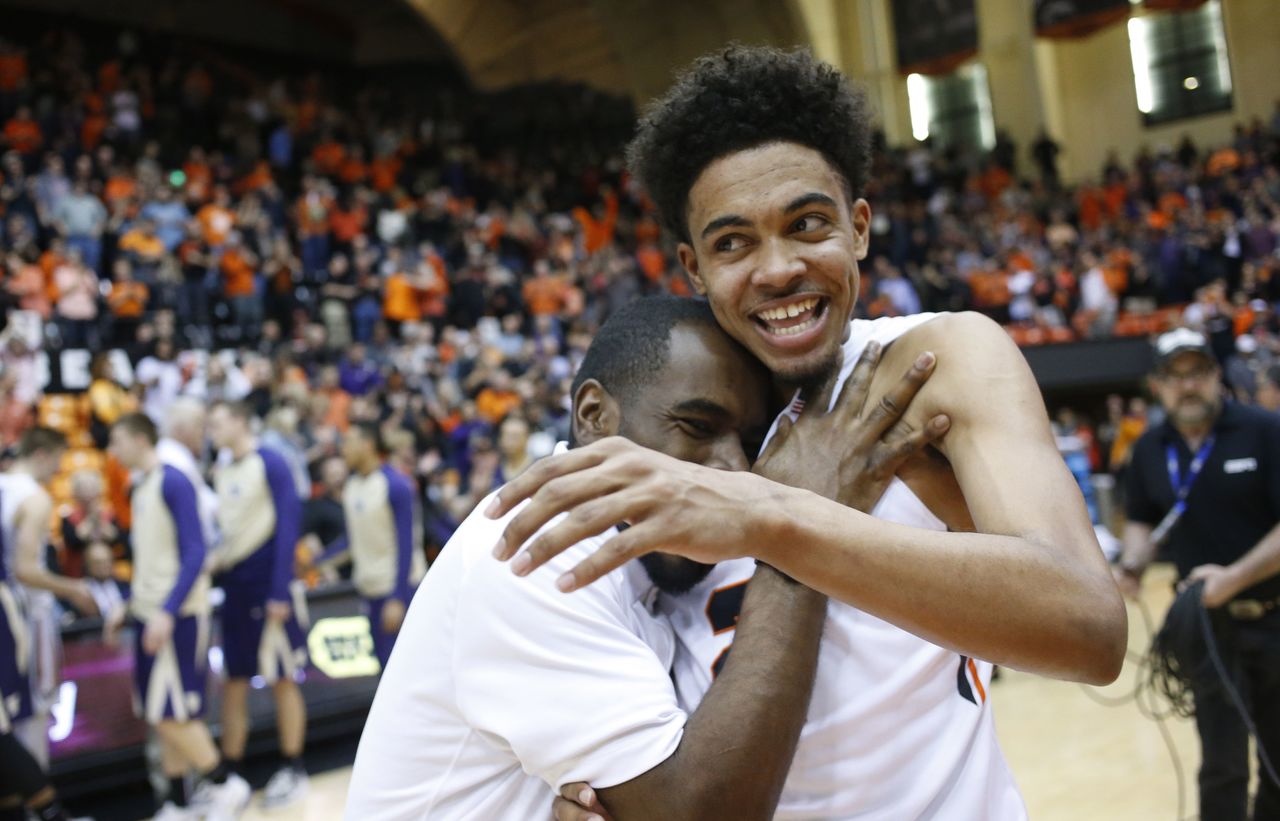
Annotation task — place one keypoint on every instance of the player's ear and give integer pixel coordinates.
(860, 215)
(689, 260)
(596, 413)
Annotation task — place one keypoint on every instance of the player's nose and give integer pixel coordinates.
(727, 454)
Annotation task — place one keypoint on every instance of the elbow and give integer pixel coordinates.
(1101, 638)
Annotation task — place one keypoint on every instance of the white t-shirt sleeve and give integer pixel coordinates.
(562, 679)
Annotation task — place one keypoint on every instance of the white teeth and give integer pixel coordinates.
(795, 329)
(788, 311)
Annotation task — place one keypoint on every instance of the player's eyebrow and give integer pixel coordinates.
(701, 406)
(724, 222)
(802, 201)
(805, 200)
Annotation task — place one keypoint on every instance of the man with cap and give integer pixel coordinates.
(1205, 484)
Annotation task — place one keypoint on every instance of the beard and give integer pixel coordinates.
(1193, 410)
(674, 574)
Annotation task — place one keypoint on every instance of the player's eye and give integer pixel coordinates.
(809, 223)
(697, 427)
(730, 242)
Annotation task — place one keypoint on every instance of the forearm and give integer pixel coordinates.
(33, 575)
(1260, 563)
(1139, 551)
(737, 746)
(1010, 600)
(191, 557)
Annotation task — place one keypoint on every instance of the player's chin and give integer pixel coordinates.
(673, 574)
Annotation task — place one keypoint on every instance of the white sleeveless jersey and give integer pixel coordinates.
(898, 728)
(15, 488)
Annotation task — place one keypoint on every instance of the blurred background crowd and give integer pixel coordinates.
(321, 249)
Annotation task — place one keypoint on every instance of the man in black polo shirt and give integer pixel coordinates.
(1206, 482)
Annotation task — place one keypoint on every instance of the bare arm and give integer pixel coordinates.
(32, 526)
(737, 747)
(1031, 588)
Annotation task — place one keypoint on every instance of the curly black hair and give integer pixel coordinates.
(739, 98)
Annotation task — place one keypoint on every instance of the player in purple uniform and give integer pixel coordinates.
(263, 616)
(169, 609)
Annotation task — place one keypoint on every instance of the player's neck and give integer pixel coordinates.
(148, 461)
(369, 468)
(243, 447)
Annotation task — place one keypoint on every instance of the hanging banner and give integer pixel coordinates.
(934, 36)
(1065, 19)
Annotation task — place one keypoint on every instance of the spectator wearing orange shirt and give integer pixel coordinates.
(239, 286)
(26, 284)
(598, 225)
(545, 294)
(346, 222)
(328, 156)
(142, 247)
(13, 76)
(127, 301)
(217, 220)
(22, 134)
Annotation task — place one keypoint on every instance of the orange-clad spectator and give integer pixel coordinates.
(1091, 207)
(498, 399)
(400, 299)
(990, 289)
(238, 267)
(127, 302)
(109, 77)
(598, 227)
(199, 174)
(1223, 161)
(1113, 199)
(678, 284)
(259, 177)
(994, 181)
(545, 294)
(338, 401)
(353, 168)
(22, 133)
(217, 219)
(26, 283)
(383, 172)
(648, 230)
(348, 221)
(13, 69)
(651, 261)
(328, 156)
(142, 244)
(1171, 202)
(94, 123)
(127, 297)
(120, 188)
(433, 283)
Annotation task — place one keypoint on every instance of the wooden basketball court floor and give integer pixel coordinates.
(1074, 759)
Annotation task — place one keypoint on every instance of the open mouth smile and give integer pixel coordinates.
(792, 319)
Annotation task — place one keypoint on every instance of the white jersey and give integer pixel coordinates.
(15, 488)
(174, 453)
(502, 689)
(898, 728)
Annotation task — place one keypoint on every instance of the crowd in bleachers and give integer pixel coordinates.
(334, 247)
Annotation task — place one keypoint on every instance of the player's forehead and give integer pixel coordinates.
(761, 179)
(708, 370)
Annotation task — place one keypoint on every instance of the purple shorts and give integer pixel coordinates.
(171, 684)
(15, 654)
(251, 646)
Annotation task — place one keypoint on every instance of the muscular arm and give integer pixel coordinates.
(32, 527)
(737, 746)
(1030, 589)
